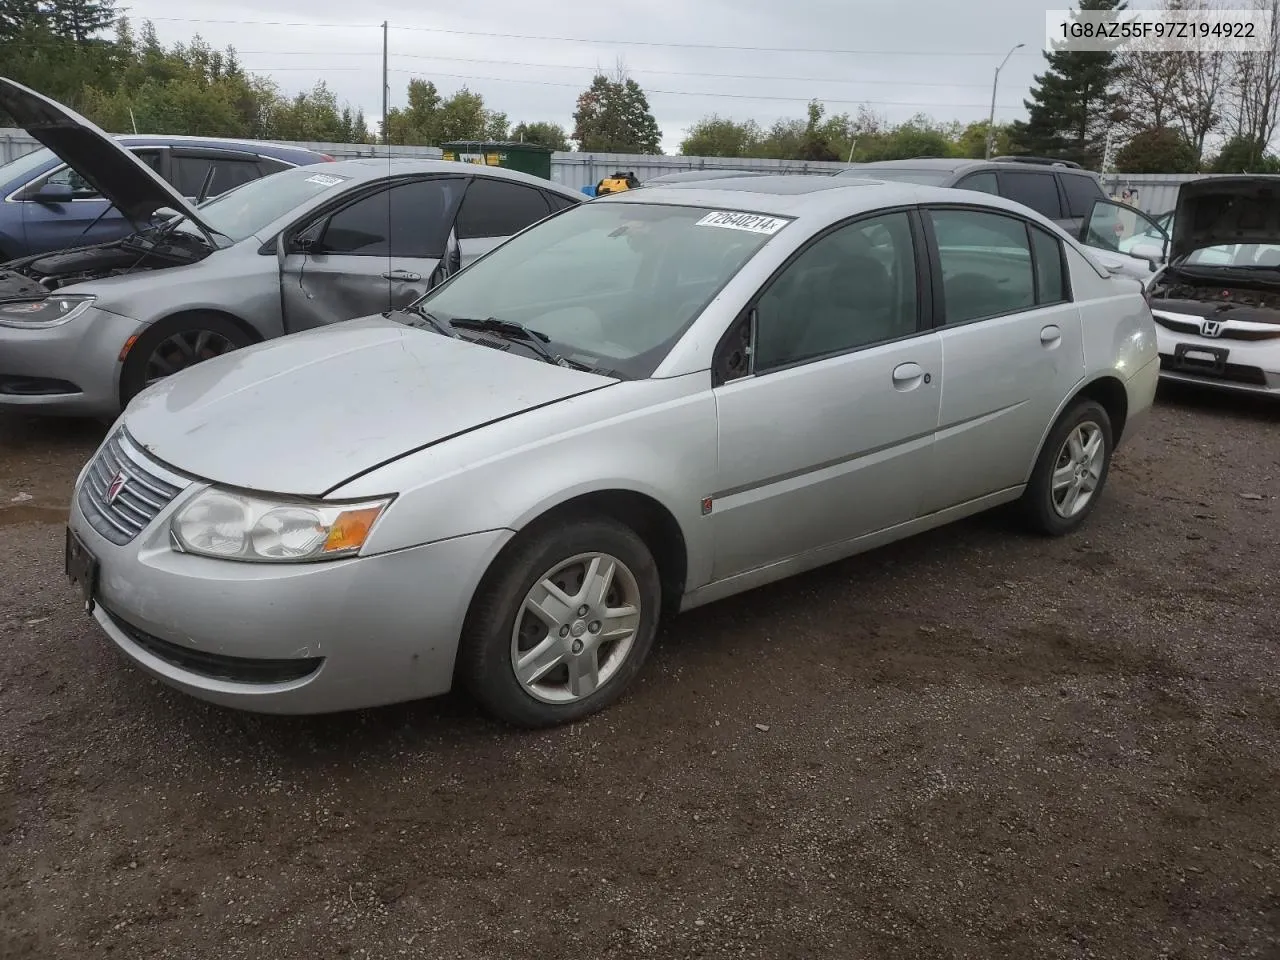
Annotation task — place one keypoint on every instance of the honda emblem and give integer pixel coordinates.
(114, 487)
(1211, 328)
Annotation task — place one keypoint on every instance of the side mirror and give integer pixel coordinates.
(307, 242)
(449, 264)
(54, 193)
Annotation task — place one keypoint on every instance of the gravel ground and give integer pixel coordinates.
(971, 744)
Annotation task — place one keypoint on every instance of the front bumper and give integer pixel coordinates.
(1240, 366)
(70, 370)
(287, 638)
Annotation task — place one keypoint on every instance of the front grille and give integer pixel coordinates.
(1235, 372)
(1228, 333)
(217, 666)
(140, 490)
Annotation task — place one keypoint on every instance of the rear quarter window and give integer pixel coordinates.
(1033, 189)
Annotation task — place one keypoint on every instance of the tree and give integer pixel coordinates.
(1160, 150)
(612, 116)
(1253, 101)
(80, 20)
(430, 120)
(546, 134)
(1243, 154)
(716, 136)
(1073, 102)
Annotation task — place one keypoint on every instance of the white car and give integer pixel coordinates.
(1217, 303)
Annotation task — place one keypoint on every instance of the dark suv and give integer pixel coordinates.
(1058, 189)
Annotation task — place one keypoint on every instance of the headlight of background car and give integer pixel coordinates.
(234, 526)
(49, 312)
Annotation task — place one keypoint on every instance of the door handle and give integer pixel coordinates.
(907, 376)
(404, 276)
(1051, 335)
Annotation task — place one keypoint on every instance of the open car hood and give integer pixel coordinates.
(1217, 211)
(136, 190)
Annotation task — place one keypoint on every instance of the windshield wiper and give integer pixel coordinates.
(512, 330)
(435, 322)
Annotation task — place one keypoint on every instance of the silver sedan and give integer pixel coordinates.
(640, 405)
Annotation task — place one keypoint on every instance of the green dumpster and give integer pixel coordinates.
(526, 157)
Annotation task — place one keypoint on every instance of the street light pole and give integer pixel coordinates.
(991, 119)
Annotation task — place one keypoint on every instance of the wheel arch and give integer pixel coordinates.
(172, 320)
(1106, 389)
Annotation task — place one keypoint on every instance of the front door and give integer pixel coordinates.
(828, 437)
(374, 254)
(1012, 349)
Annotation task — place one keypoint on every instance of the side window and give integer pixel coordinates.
(986, 264)
(497, 208)
(150, 157)
(80, 188)
(228, 172)
(271, 165)
(1081, 191)
(982, 182)
(1051, 284)
(1039, 191)
(233, 173)
(852, 288)
(188, 173)
(559, 203)
(408, 220)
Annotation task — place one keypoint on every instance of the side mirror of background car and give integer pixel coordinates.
(54, 193)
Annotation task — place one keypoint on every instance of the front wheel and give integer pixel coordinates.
(173, 345)
(561, 626)
(1072, 469)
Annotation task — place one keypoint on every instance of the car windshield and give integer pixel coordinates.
(932, 178)
(243, 211)
(612, 285)
(1265, 255)
(22, 166)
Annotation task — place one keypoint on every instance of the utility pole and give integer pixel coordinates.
(386, 90)
(991, 119)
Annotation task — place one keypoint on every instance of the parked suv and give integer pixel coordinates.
(1061, 190)
(47, 206)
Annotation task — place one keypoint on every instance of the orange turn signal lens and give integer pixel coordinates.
(351, 529)
(128, 345)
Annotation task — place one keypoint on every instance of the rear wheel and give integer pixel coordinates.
(1072, 469)
(562, 625)
(174, 345)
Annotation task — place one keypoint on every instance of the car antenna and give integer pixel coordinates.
(204, 187)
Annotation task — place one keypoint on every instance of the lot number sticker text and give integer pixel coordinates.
(751, 222)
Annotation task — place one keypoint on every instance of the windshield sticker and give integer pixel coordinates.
(751, 222)
(325, 180)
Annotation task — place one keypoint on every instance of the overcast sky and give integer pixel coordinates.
(898, 58)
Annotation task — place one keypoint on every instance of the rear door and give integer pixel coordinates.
(495, 209)
(87, 218)
(1012, 348)
(372, 253)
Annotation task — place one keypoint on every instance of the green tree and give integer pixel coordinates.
(1244, 154)
(613, 116)
(1160, 150)
(546, 134)
(1073, 102)
(971, 140)
(79, 20)
(429, 119)
(716, 136)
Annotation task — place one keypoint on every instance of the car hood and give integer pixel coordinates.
(305, 413)
(1216, 211)
(135, 189)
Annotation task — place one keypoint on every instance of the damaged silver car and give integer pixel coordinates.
(82, 331)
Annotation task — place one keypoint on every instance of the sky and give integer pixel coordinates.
(530, 61)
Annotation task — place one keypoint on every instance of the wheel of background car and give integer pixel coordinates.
(175, 344)
(562, 623)
(1071, 471)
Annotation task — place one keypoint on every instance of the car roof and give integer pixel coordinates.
(920, 163)
(372, 168)
(802, 196)
(266, 147)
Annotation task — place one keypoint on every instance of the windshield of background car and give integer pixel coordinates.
(20, 168)
(613, 285)
(242, 212)
(1236, 255)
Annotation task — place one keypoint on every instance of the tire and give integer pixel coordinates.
(202, 336)
(1050, 513)
(490, 644)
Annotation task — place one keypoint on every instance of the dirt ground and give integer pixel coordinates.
(971, 744)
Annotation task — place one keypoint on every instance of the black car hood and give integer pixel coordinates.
(136, 190)
(1216, 211)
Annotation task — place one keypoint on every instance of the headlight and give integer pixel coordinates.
(235, 526)
(49, 312)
